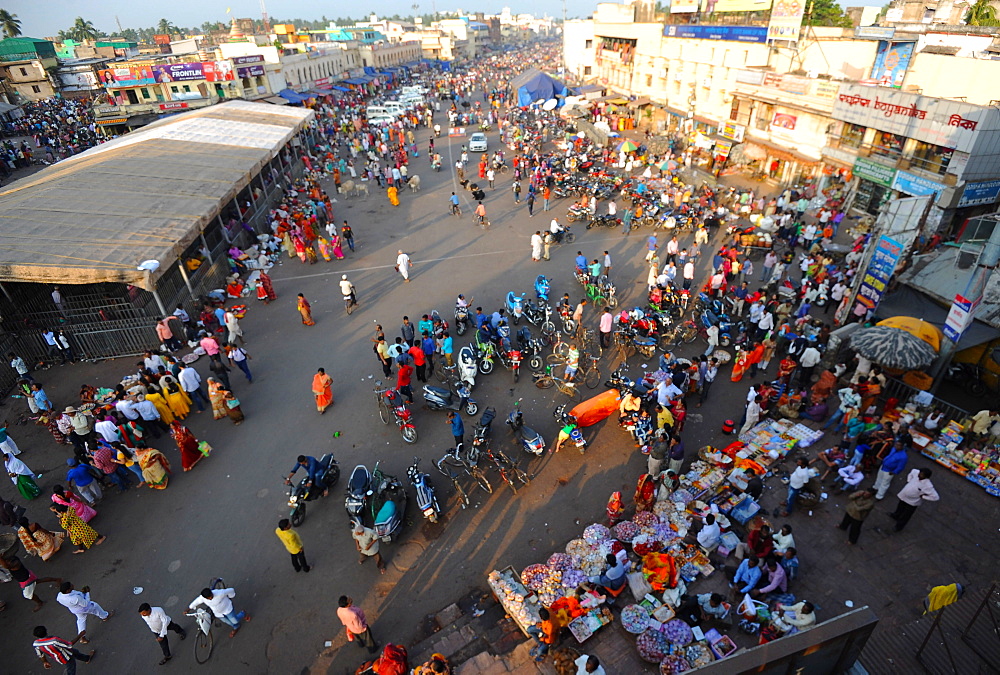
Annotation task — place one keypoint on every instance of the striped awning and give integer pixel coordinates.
(113, 120)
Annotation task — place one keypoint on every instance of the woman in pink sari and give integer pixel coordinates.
(338, 253)
(60, 496)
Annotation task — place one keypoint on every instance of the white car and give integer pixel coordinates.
(477, 142)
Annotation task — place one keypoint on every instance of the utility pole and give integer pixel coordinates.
(264, 18)
(564, 40)
(120, 29)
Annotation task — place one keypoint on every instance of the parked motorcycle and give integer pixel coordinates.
(426, 497)
(567, 424)
(511, 360)
(481, 434)
(530, 439)
(387, 497)
(540, 315)
(357, 491)
(446, 399)
(542, 287)
(515, 306)
(531, 347)
(301, 492)
(396, 405)
(467, 365)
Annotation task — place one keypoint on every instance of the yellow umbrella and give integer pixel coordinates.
(927, 332)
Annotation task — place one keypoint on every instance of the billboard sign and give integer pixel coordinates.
(879, 174)
(211, 71)
(880, 269)
(915, 185)
(127, 76)
(976, 194)
(786, 20)
(251, 71)
(728, 33)
(960, 316)
(710, 6)
(247, 60)
(891, 61)
(684, 6)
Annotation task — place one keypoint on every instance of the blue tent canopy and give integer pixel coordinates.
(533, 84)
(292, 96)
(339, 88)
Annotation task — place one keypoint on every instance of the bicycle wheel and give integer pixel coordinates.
(593, 377)
(544, 382)
(508, 479)
(203, 646)
(556, 359)
(570, 390)
(561, 349)
(383, 411)
(690, 334)
(480, 477)
(463, 498)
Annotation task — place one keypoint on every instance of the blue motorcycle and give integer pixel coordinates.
(515, 305)
(542, 287)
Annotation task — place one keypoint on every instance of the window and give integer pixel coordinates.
(586, 70)
(588, 44)
(36, 89)
(649, 80)
(886, 144)
(734, 111)
(765, 111)
(24, 72)
(851, 135)
(931, 158)
(144, 92)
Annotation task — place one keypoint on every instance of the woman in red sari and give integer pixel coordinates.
(187, 444)
(645, 493)
(323, 391)
(265, 288)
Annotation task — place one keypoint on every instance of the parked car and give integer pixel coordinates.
(477, 142)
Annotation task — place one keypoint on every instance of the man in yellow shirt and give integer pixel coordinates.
(290, 538)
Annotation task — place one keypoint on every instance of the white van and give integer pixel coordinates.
(411, 98)
(414, 89)
(394, 107)
(376, 111)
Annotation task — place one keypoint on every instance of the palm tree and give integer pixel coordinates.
(83, 30)
(9, 24)
(982, 13)
(165, 27)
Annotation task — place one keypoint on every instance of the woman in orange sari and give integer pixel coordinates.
(305, 309)
(322, 390)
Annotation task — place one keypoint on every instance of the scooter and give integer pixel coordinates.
(461, 319)
(467, 365)
(388, 500)
(481, 434)
(401, 414)
(357, 489)
(445, 399)
(436, 164)
(568, 425)
(301, 492)
(542, 287)
(426, 497)
(530, 439)
(515, 305)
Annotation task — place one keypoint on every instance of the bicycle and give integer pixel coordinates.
(484, 222)
(587, 370)
(508, 471)
(567, 387)
(470, 465)
(456, 210)
(463, 498)
(204, 619)
(559, 348)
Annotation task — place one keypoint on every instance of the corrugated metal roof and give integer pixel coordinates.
(937, 274)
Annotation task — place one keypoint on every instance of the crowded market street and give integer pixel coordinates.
(163, 546)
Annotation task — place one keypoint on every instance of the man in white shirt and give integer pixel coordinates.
(160, 623)
(673, 247)
(589, 665)
(152, 362)
(918, 488)
(108, 430)
(220, 602)
(753, 414)
(191, 383)
(807, 364)
(127, 408)
(150, 416)
(688, 275)
(80, 604)
(711, 534)
(796, 482)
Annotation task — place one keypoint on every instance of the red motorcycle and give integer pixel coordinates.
(392, 404)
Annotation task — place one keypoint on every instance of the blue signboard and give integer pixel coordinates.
(880, 269)
(915, 185)
(728, 33)
(891, 61)
(975, 194)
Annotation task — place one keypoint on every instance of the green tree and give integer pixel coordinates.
(10, 25)
(981, 13)
(83, 30)
(826, 13)
(166, 28)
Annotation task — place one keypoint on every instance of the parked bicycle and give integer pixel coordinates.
(548, 380)
(509, 472)
(205, 620)
(457, 458)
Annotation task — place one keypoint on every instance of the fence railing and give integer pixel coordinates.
(95, 340)
(903, 392)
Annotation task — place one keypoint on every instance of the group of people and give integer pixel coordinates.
(58, 127)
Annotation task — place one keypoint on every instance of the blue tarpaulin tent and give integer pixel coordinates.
(533, 84)
(292, 96)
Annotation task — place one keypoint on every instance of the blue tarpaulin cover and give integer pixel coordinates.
(533, 84)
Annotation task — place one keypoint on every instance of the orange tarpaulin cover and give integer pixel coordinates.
(595, 409)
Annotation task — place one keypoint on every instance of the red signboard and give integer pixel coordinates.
(173, 105)
(161, 39)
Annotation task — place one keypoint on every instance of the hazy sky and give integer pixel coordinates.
(46, 17)
(40, 18)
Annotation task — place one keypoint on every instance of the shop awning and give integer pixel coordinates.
(782, 153)
(275, 100)
(639, 102)
(618, 100)
(292, 96)
(588, 88)
(112, 120)
(339, 88)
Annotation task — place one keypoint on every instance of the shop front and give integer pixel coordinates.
(874, 185)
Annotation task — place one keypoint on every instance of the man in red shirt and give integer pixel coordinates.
(59, 650)
(403, 376)
(416, 352)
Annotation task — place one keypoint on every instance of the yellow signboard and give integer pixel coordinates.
(710, 6)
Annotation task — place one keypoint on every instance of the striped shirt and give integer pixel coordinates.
(57, 648)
